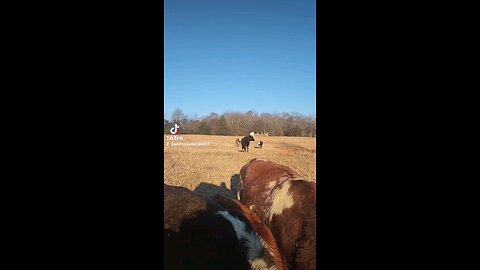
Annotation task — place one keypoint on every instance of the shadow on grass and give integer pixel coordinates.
(210, 190)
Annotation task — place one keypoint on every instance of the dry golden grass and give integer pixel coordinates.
(213, 168)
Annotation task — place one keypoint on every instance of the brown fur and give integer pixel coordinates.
(258, 226)
(180, 203)
(197, 237)
(254, 180)
(295, 228)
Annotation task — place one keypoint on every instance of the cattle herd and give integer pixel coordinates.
(245, 141)
(270, 226)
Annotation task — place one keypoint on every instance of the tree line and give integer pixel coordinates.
(240, 124)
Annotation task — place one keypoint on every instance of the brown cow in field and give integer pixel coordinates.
(214, 234)
(286, 203)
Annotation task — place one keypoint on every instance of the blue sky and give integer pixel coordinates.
(240, 55)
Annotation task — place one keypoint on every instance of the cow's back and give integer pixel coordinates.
(287, 204)
(204, 234)
(257, 180)
(196, 237)
(292, 221)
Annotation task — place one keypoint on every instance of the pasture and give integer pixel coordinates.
(213, 168)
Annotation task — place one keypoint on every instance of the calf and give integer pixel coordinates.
(246, 142)
(238, 141)
(214, 234)
(286, 203)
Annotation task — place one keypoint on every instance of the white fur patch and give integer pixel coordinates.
(284, 178)
(282, 200)
(260, 264)
(253, 242)
(308, 180)
(271, 184)
(240, 189)
(269, 187)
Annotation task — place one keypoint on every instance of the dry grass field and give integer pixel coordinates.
(213, 168)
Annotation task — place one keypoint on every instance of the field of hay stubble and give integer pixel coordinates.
(213, 168)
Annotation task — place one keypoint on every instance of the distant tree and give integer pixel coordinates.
(286, 121)
(248, 121)
(194, 125)
(275, 124)
(213, 115)
(295, 131)
(204, 129)
(265, 123)
(222, 128)
(177, 116)
(241, 124)
(308, 129)
(236, 123)
(166, 126)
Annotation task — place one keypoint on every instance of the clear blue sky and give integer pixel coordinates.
(240, 55)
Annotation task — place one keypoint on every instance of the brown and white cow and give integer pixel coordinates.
(238, 141)
(286, 203)
(214, 234)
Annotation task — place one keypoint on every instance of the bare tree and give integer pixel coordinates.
(177, 115)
